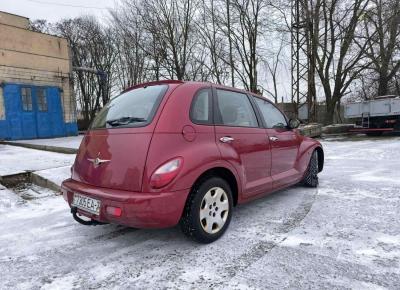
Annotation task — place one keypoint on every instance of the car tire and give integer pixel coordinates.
(208, 210)
(311, 176)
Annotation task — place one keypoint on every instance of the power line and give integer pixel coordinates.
(67, 5)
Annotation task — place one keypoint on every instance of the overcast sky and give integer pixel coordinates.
(53, 10)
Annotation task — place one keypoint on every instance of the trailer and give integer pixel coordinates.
(376, 116)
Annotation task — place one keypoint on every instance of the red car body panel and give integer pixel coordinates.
(250, 154)
(258, 165)
(125, 169)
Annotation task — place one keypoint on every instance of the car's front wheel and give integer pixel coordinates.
(208, 210)
(311, 176)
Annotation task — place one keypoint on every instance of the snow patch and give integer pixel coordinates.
(295, 241)
(56, 175)
(61, 283)
(8, 199)
(16, 160)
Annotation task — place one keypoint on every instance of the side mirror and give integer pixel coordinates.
(294, 123)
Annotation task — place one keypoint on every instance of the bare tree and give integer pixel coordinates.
(133, 63)
(41, 25)
(350, 46)
(91, 47)
(339, 61)
(272, 64)
(229, 34)
(213, 39)
(381, 33)
(170, 24)
(247, 27)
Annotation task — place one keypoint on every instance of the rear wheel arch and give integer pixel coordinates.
(223, 173)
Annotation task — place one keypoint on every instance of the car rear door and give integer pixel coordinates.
(241, 141)
(285, 144)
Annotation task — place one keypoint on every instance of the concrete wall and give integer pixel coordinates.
(14, 20)
(33, 58)
(27, 49)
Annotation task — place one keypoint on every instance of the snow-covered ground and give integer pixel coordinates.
(66, 142)
(56, 175)
(15, 160)
(345, 234)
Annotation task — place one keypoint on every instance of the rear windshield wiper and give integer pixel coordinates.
(125, 121)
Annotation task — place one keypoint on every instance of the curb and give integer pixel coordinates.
(43, 182)
(29, 177)
(56, 149)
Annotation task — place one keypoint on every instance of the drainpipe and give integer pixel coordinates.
(102, 75)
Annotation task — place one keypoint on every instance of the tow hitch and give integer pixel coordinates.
(74, 211)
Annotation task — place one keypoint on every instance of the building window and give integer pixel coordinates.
(2, 113)
(26, 94)
(42, 99)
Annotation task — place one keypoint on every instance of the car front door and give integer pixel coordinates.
(241, 141)
(285, 144)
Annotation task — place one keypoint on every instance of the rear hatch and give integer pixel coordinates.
(113, 152)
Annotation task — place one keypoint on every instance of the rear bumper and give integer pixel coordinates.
(139, 210)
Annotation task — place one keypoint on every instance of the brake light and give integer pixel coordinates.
(166, 173)
(115, 211)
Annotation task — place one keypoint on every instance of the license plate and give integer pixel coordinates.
(86, 203)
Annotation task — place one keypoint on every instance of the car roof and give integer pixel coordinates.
(153, 83)
(180, 82)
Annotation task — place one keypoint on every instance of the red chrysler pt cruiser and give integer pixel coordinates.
(171, 152)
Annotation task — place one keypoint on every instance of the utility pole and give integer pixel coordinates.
(302, 61)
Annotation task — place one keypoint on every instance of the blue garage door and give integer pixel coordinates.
(33, 112)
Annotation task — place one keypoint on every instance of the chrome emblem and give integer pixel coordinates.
(97, 161)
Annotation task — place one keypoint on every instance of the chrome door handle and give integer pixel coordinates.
(273, 138)
(226, 139)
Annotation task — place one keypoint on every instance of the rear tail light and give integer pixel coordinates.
(166, 173)
(115, 211)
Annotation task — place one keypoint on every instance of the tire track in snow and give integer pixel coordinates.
(83, 253)
(262, 248)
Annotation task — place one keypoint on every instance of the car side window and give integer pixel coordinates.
(235, 109)
(272, 116)
(200, 111)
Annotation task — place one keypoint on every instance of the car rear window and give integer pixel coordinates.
(134, 108)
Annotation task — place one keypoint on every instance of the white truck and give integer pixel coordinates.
(376, 116)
